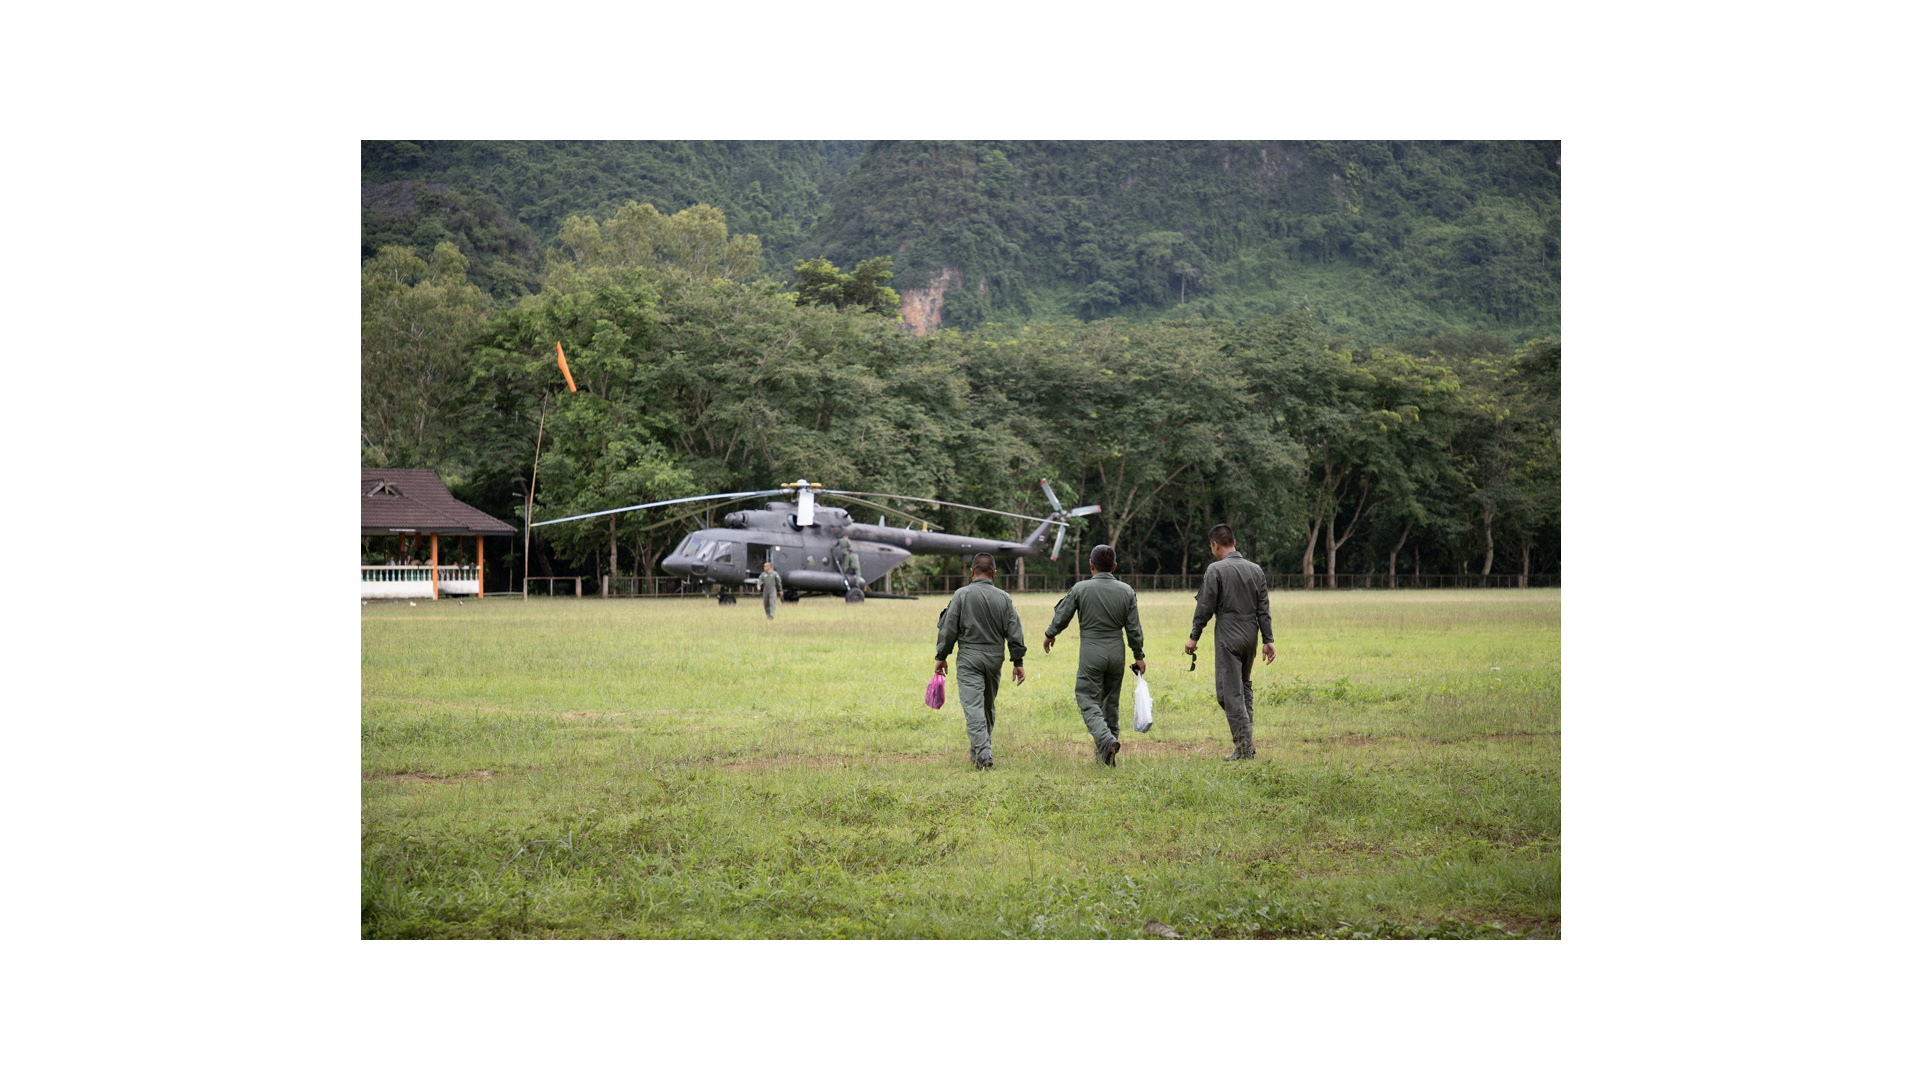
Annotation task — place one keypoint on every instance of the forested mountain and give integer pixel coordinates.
(503, 258)
(1387, 241)
(776, 190)
(1136, 337)
(1384, 241)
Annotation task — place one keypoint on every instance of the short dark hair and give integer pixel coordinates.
(1221, 534)
(1103, 559)
(983, 564)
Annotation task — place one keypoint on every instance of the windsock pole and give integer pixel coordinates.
(562, 354)
(531, 485)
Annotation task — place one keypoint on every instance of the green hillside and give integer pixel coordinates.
(1384, 241)
(776, 190)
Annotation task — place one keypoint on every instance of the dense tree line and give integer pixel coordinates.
(1386, 241)
(700, 372)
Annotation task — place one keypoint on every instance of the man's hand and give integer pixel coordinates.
(1267, 651)
(1140, 666)
(1019, 674)
(1046, 646)
(939, 667)
(1192, 645)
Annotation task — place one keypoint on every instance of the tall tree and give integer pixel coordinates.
(819, 282)
(418, 319)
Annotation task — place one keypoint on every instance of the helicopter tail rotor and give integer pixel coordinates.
(1064, 515)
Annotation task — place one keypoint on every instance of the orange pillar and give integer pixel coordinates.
(480, 564)
(436, 566)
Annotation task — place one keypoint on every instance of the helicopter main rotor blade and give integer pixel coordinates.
(662, 502)
(936, 502)
(691, 514)
(844, 497)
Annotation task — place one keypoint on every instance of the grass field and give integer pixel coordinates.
(673, 768)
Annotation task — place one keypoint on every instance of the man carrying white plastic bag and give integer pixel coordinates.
(1142, 705)
(1107, 608)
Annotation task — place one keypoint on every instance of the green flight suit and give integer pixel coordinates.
(1107, 606)
(982, 622)
(770, 590)
(1235, 590)
(848, 558)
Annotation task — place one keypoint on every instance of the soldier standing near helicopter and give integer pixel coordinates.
(769, 589)
(980, 620)
(1107, 606)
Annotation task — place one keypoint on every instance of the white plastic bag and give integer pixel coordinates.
(1142, 704)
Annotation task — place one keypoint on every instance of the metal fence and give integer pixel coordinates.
(666, 586)
(662, 585)
(552, 585)
(946, 583)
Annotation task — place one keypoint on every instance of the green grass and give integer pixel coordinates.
(671, 768)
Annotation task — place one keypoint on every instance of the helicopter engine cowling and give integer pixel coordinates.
(814, 581)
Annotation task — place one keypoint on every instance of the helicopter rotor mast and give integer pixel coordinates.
(803, 513)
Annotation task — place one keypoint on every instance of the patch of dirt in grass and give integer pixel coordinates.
(428, 778)
(1137, 748)
(1444, 740)
(958, 757)
(1352, 738)
(832, 762)
(1515, 924)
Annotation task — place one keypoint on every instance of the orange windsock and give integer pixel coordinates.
(562, 353)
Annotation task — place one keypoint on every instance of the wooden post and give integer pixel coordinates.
(480, 564)
(436, 566)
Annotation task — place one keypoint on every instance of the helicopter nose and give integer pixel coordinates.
(677, 565)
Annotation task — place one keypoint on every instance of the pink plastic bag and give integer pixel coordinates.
(936, 691)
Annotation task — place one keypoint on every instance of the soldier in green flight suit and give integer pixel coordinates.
(981, 620)
(1107, 606)
(769, 588)
(849, 560)
(1236, 590)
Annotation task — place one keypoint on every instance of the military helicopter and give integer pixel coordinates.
(799, 538)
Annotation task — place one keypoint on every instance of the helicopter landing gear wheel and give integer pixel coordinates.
(855, 596)
(727, 599)
(790, 596)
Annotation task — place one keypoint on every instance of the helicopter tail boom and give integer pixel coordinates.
(933, 543)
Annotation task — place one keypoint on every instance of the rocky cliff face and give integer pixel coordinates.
(920, 308)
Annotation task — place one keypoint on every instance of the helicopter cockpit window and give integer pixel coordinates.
(706, 550)
(692, 544)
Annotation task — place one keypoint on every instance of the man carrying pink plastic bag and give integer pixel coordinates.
(982, 622)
